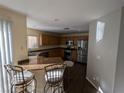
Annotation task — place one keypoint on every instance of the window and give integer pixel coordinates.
(32, 42)
(100, 31)
(5, 54)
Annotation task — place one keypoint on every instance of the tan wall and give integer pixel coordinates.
(38, 32)
(19, 32)
(33, 32)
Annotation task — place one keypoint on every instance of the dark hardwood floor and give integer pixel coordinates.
(75, 81)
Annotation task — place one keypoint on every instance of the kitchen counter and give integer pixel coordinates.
(44, 60)
(49, 48)
(54, 51)
(43, 48)
(35, 67)
(38, 63)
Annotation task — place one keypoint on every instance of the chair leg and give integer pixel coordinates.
(11, 88)
(35, 84)
(15, 90)
(55, 90)
(60, 89)
(45, 88)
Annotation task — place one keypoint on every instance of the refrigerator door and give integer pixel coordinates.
(78, 43)
(82, 59)
(82, 51)
(82, 43)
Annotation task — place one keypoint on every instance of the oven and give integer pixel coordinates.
(70, 43)
(68, 54)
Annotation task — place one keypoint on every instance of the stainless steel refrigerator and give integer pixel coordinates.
(82, 47)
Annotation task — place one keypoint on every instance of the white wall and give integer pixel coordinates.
(19, 32)
(102, 56)
(119, 81)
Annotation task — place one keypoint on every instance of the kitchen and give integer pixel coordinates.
(66, 46)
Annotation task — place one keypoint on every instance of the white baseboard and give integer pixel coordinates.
(92, 83)
(98, 89)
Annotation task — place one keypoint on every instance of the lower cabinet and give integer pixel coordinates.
(60, 53)
(55, 53)
(74, 55)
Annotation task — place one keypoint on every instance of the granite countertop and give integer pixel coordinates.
(50, 47)
(44, 60)
(43, 48)
(35, 67)
(38, 63)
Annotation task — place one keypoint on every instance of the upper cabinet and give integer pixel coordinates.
(49, 39)
(63, 39)
(44, 38)
(52, 39)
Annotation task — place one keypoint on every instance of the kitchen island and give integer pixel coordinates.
(38, 63)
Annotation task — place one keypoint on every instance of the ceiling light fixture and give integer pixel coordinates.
(56, 19)
(66, 28)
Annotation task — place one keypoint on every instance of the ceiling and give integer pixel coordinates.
(55, 15)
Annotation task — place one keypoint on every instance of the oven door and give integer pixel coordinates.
(67, 54)
(69, 43)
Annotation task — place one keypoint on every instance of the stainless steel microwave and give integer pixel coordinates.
(70, 43)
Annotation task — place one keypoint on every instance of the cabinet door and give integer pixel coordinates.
(63, 40)
(54, 53)
(82, 37)
(62, 53)
(55, 40)
(50, 39)
(45, 39)
(74, 55)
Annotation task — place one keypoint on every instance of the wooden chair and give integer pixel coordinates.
(54, 77)
(21, 81)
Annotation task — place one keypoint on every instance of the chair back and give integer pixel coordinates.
(16, 74)
(54, 73)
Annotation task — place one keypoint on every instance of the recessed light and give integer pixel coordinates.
(56, 19)
(66, 28)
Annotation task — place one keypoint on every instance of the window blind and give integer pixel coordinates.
(5, 54)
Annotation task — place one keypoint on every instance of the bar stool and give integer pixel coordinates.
(54, 78)
(21, 81)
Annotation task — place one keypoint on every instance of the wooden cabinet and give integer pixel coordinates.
(47, 39)
(55, 53)
(54, 40)
(74, 38)
(62, 53)
(74, 55)
(63, 40)
(44, 39)
(59, 52)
